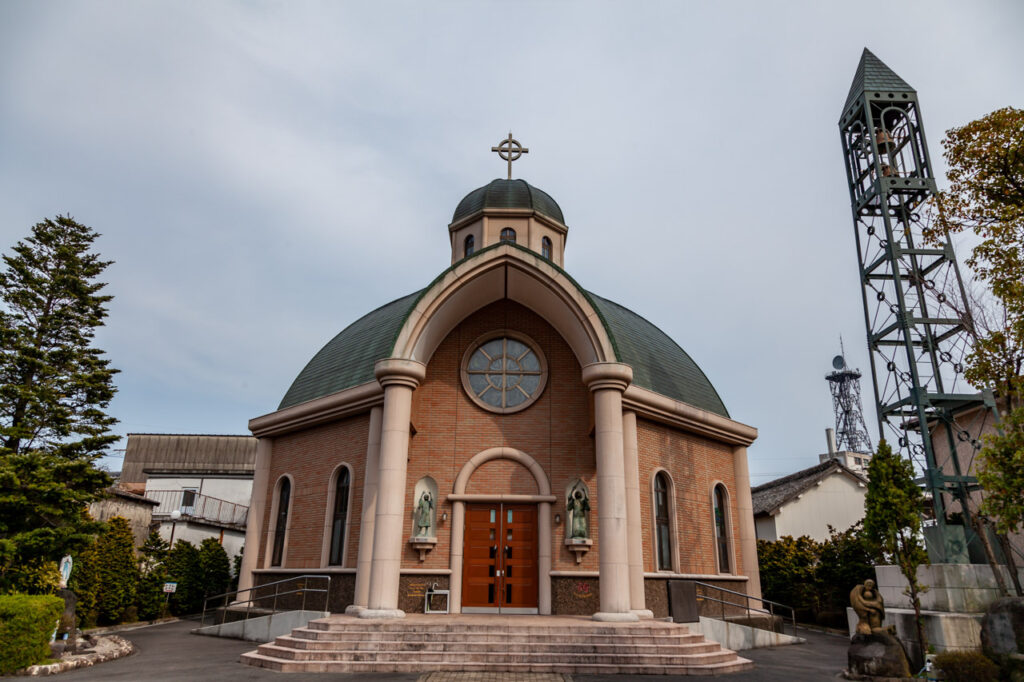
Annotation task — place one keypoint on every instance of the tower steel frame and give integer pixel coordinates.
(916, 336)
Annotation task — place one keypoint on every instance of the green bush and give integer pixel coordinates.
(152, 601)
(215, 566)
(967, 666)
(85, 583)
(26, 623)
(183, 568)
(117, 570)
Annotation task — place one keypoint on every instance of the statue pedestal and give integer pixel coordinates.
(580, 546)
(878, 655)
(422, 544)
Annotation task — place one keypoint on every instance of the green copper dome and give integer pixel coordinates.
(658, 363)
(508, 194)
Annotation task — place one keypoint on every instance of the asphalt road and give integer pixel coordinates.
(170, 652)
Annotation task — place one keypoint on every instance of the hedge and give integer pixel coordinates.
(26, 623)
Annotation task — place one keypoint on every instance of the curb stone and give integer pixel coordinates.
(116, 647)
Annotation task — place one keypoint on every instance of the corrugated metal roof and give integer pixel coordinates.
(873, 74)
(186, 452)
(659, 364)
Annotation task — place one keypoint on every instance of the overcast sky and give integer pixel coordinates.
(264, 173)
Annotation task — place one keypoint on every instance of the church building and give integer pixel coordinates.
(506, 435)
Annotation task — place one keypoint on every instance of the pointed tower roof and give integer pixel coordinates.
(873, 74)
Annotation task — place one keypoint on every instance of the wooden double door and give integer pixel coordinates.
(499, 572)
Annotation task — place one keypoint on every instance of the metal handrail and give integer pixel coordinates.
(277, 593)
(746, 605)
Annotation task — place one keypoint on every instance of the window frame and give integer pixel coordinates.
(722, 544)
(546, 248)
(331, 514)
(673, 549)
(502, 238)
(508, 334)
(468, 246)
(275, 533)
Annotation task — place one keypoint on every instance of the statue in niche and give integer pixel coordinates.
(424, 513)
(869, 606)
(577, 505)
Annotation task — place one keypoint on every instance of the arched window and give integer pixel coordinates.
(469, 246)
(284, 494)
(508, 235)
(721, 528)
(545, 248)
(662, 522)
(340, 518)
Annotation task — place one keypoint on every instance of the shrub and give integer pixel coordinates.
(35, 576)
(215, 566)
(150, 597)
(26, 623)
(117, 571)
(85, 583)
(183, 568)
(967, 666)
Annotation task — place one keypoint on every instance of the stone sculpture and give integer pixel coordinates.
(424, 514)
(577, 507)
(869, 607)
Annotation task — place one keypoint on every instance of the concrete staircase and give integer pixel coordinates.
(465, 643)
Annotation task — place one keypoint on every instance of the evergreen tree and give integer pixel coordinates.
(85, 583)
(153, 567)
(892, 521)
(215, 566)
(183, 568)
(117, 571)
(54, 388)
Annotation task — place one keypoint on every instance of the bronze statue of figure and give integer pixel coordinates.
(577, 507)
(423, 514)
(869, 606)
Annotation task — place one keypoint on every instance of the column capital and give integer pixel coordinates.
(605, 375)
(392, 371)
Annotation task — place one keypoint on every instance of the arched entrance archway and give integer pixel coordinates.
(542, 500)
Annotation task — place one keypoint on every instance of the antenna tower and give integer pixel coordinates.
(916, 336)
(851, 431)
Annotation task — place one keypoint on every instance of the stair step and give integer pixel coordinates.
(251, 658)
(703, 646)
(339, 635)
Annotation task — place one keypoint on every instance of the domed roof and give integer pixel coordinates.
(658, 363)
(508, 194)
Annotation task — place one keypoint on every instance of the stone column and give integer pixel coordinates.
(745, 514)
(254, 519)
(544, 558)
(458, 534)
(399, 379)
(368, 518)
(634, 527)
(607, 381)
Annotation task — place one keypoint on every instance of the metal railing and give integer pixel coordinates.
(745, 607)
(250, 603)
(194, 505)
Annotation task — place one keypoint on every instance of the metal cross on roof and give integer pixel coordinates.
(510, 150)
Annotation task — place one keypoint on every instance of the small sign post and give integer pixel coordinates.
(170, 588)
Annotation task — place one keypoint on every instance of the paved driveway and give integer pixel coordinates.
(169, 652)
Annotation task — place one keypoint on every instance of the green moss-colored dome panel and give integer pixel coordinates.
(347, 359)
(508, 194)
(658, 363)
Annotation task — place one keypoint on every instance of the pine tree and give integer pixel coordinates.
(85, 583)
(54, 388)
(117, 571)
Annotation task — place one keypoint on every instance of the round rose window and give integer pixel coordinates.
(504, 373)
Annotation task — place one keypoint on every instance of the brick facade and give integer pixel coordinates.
(556, 431)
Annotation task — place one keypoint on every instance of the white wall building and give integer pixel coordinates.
(809, 501)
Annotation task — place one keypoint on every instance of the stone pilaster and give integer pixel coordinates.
(399, 379)
(368, 518)
(254, 520)
(745, 512)
(607, 381)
